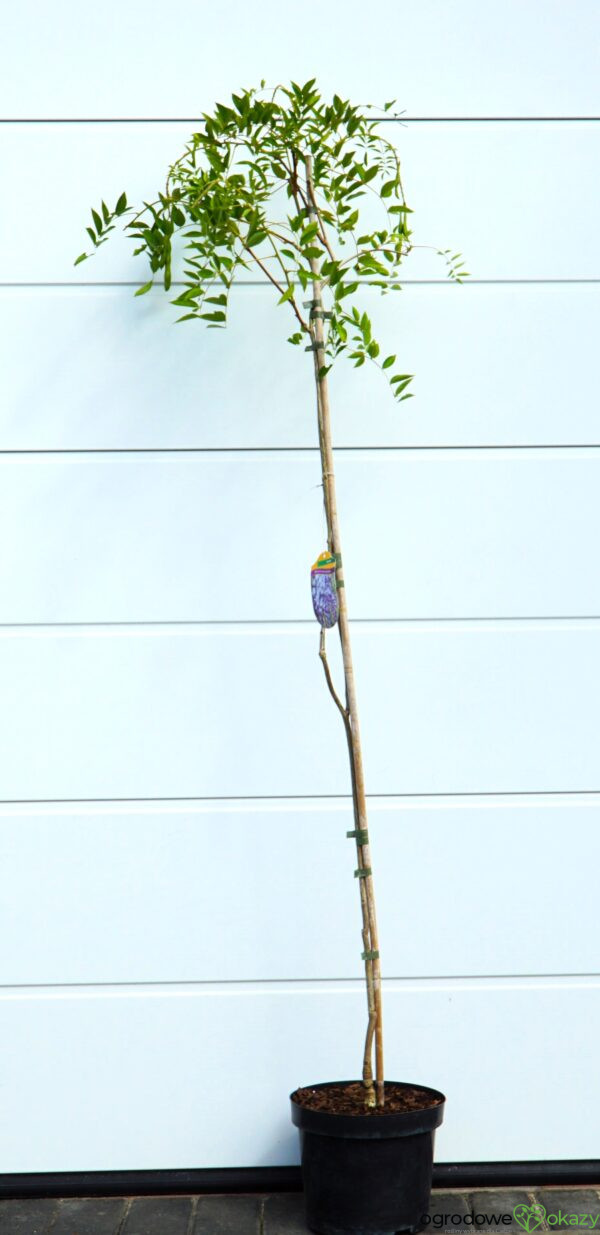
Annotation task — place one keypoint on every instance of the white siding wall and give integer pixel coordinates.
(178, 917)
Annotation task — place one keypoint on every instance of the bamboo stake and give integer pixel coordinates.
(370, 935)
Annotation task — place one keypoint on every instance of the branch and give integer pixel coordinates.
(287, 240)
(286, 275)
(367, 1065)
(335, 697)
(382, 248)
(323, 236)
(280, 289)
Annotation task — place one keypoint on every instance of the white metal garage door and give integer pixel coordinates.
(167, 745)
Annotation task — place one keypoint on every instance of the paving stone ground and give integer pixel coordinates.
(484, 1209)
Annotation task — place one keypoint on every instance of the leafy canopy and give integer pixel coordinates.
(238, 197)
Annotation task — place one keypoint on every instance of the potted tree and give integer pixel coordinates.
(277, 182)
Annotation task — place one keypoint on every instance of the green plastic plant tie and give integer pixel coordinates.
(315, 347)
(369, 956)
(316, 309)
(361, 834)
(362, 874)
(339, 583)
(338, 558)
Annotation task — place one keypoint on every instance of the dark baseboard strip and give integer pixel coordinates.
(513, 1174)
(284, 1179)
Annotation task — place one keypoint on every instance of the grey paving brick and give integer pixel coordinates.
(572, 1201)
(284, 1214)
(227, 1215)
(447, 1211)
(89, 1216)
(158, 1215)
(27, 1217)
(499, 1205)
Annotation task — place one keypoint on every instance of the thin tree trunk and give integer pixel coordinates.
(365, 878)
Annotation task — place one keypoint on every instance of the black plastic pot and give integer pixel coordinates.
(367, 1174)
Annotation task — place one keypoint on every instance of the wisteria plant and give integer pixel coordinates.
(278, 182)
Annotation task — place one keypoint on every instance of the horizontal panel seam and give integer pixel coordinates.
(422, 795)
(244, 450)
(275, 982)
(308, 622)
(399, 120)
(254, 283)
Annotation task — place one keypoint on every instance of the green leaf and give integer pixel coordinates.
(309, 232)
(82, 258)
(348, 223)
(121, 205)
(388, 188)
(105, 213)
(224, 113)
(288, 295)
(401, 386)
(141, 291)
(214, 317)
(367, 264)
(345, 289)
(388, 362)
(97, 222)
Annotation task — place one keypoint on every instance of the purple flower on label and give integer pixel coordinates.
(324, 592)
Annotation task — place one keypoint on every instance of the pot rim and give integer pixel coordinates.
(385, 1124)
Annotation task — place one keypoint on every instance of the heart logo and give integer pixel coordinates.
(529, 1216)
